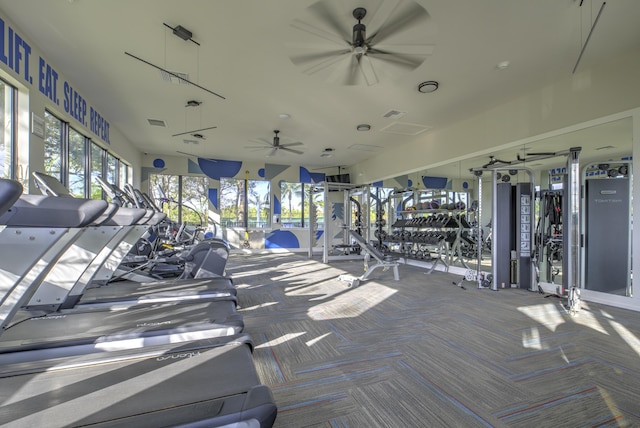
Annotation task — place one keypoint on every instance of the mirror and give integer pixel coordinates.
(608, 142)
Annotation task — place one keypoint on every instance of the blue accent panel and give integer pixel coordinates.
(213, 197)
(277, 208)
(193, 167)
(158, 163)
(465, 185)
(261, 172)
(318, 177)
(377, 184)
(216, 168)
(281, 239)
(311, 177)
(409, 183)
(305, 175)
(319, 234)
(434, 182)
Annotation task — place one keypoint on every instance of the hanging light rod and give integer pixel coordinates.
(575, 67)
(174, 75)
(194, 131)
(182, 32)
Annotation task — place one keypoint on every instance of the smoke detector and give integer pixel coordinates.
(428, 86)
(327, 153)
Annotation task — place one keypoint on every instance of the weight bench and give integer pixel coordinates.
(385, 262)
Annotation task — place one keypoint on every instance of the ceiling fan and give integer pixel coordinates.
(275, 146)
(389, 43)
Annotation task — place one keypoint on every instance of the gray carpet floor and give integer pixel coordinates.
(422, 352)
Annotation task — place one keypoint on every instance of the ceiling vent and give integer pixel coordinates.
(403, 128)
(364, 148)
(157, 122)
(175, 77)
(394, 114)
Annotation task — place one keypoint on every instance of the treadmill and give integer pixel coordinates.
(32, 330)
(93, 285)
(208, 383)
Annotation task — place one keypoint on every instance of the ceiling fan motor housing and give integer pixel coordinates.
(359, 30)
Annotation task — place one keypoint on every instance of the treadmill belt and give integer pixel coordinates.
(205, 386)
(95, 330)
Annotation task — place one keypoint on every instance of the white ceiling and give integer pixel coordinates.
(244, 55)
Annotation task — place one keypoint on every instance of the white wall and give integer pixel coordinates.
(29, 75)
(602, 90)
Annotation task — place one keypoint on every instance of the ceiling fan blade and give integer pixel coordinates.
(320, 10)
(378, 15)
(319, 32)
(404, 16)
(262, 141)
(353, 72)
(367, 70)
(193, 131)
(403, 61)
(319, 56)
(324, 64)
(403, 49)
(272, 152)
(298, 152)
(297, 143)
(256, 147)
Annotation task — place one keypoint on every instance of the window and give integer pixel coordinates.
(195, 201)
(53, 146)
(124, 174)
(183, 198)
(112, 169)
(77, 166)
(165, 191)
(76, 161)
(7, 139)
(96, 169)
(258, 207)
(293, 204)
(232, 202)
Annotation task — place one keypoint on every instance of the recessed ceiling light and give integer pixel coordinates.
(428, 86)
(502, 65)
(363, 127)
(284, 116)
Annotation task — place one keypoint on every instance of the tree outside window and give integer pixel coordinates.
(52, 146)
(77, 168)
(258, 207)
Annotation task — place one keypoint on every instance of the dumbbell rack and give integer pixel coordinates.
(435, 232)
